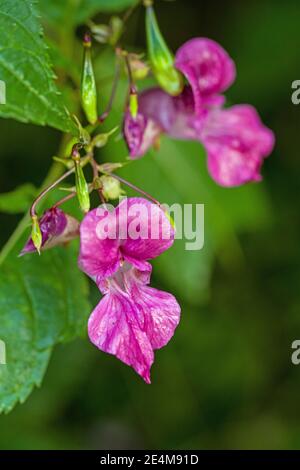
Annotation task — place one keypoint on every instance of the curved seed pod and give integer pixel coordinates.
(82, 188)
(88, 84)
(162, 60)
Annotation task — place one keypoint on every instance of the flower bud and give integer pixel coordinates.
(88, 84)
(111, 187)
(116, 29)
(139, 69)
(161, 58)
(82, 188)
(36, 234)
(56, 228)
(100, 140)
(101, 32)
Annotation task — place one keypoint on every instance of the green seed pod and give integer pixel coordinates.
(88, 84)
(162, 60)
(36, 234)
(82, 188)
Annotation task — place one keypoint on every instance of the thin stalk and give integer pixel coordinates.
(47, 190)
(132, 186)
(108, 109)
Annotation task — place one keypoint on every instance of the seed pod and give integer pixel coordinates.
(162, 60)
(82, 188)
(88, 84)
(36, 234)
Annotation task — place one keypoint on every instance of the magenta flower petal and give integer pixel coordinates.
(140, 134)
(146, 229)
(174, 115)
(132, 320)
(114, 327)
(99, 247)
(237, 143)
(57, 228)
(207, 67)
(137, 230)
(161, 311)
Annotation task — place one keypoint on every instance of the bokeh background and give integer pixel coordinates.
(226, 379)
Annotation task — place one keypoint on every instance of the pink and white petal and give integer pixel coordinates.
(237, 142)
(160, 310)
(207, 66)
(145, 230)
(231, 167)
(114, 328)
(99, 255)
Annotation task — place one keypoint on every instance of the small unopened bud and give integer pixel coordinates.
(88, 84)
(82, 188)
(139, 69)
(133, 103)
(111, 187)
(116, 29)
(161, 58)
(110, 167)
(101, 32)
(36, 234)
(100, 140)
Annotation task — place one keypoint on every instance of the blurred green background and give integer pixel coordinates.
(226, 379)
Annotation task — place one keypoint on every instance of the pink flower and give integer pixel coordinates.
(207, 67)
(56, 227)
(235, 138)
(132, 319)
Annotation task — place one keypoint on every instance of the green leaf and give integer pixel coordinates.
(31, 94)
(74, 12)
(43, 301)
(17, 201)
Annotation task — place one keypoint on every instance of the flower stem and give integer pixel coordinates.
(132, 186)
(130, 10)
(47, 190)
(64, 199)
(105, 114)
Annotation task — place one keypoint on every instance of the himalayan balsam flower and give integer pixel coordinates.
(132, 319)
(235, 139)
(56, 227)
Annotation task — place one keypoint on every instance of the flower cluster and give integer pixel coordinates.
(132, 320)
(235, 139)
